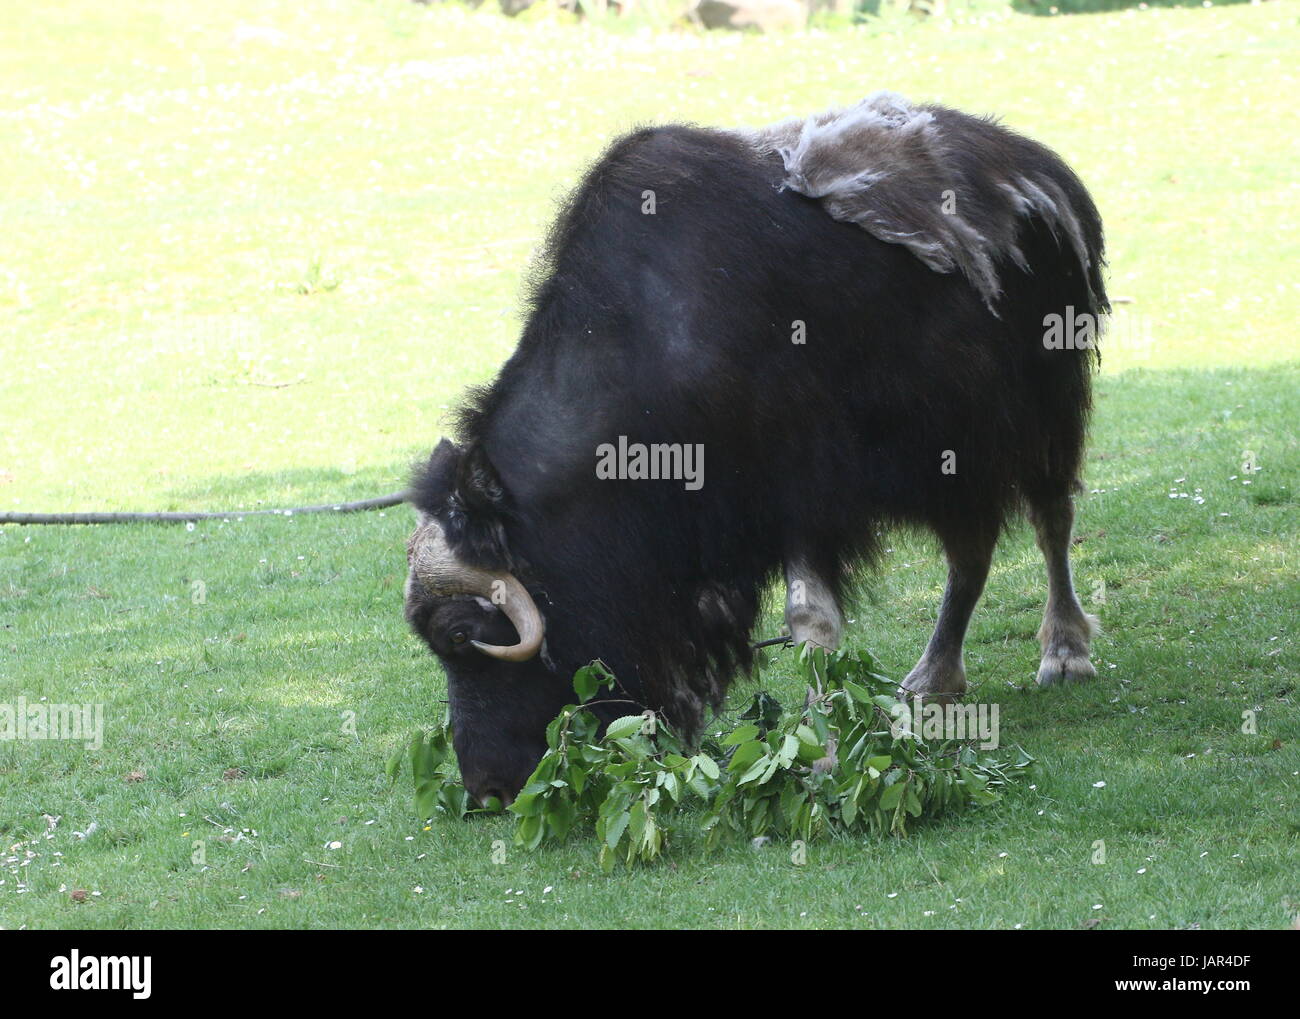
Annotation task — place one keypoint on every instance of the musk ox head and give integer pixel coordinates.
(469, 599)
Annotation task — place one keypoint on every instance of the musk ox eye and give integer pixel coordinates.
(459, 637)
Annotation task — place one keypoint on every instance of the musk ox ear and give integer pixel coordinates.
(433, 481)
(477, 528)
(459, 487)
(477, 482)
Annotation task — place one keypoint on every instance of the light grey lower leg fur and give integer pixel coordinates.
(811, 611)
(1067, 631)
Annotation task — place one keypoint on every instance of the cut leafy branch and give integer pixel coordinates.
(848, 762)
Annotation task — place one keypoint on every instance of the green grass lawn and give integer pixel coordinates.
(253, 252)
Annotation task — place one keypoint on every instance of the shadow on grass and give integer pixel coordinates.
(289, 487)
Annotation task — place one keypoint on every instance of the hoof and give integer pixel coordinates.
(1065, 668)
(1065, 651)
(934, 684)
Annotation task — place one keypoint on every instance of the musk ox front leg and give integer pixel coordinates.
(812, 612)
(1067, 631)
(940, 675)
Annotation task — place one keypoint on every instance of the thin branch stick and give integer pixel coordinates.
(784, 641)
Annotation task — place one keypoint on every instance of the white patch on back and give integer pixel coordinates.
(885, 165)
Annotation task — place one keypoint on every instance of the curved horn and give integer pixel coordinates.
(441, 573)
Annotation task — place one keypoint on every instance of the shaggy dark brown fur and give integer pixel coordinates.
(682, 325)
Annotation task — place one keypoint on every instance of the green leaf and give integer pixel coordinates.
(741, 734)
(745, 755)
(561, 817)
(892, 796)
(707, 765)
(912, 800)
(757, 771)
(590, 678)
(622, 728)
(615, 826)
(394, 763)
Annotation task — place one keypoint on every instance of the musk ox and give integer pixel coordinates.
(841, 323)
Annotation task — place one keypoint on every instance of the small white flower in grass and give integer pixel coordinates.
(892, 895)
(410, 838)
(1017, 927)
(1142, 870)
(1003, 856)
(334, 845)
(419, 890)
(1099, 785)
(547, 890)
(1097, 906)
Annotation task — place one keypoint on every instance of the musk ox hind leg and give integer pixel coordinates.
(940, 675)
(812, 611)
(1067, 631)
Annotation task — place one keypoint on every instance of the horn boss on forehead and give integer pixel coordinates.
(442, 574)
